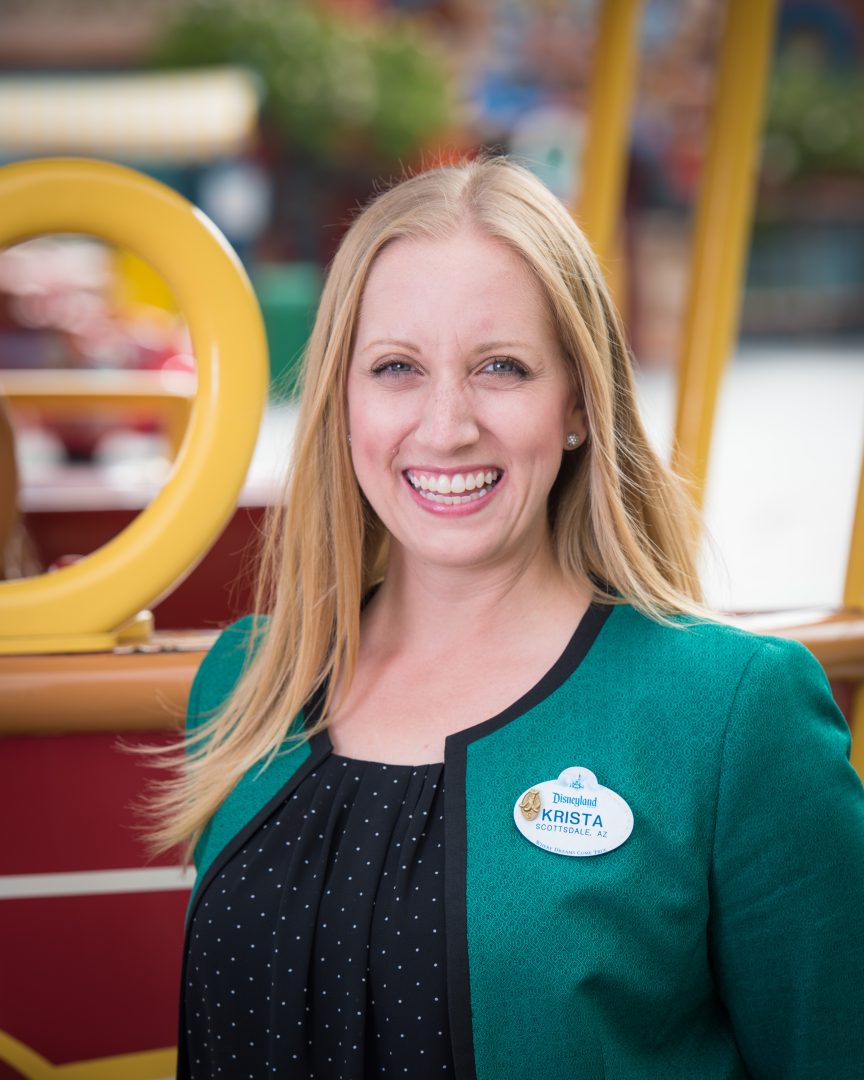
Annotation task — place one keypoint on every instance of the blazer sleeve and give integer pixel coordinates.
(787, 885)
(219, 671)
(215, 679)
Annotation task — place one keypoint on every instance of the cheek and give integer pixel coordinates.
(536, 436)
(377, 428)
(373, 465)
(372, 449)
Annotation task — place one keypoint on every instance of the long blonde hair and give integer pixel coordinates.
(617, 514)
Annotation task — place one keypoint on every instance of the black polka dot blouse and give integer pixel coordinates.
(318, 951)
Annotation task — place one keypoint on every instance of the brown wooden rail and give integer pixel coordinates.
(134, 395)
(835, 638)
(126, 690)
(146, 689)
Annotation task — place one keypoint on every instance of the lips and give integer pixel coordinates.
(467, 490)
(453, 489)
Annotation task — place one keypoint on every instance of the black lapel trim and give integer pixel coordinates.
(319, 748)
(456, 835)
(455, 911)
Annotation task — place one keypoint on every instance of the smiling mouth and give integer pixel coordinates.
(455, 489)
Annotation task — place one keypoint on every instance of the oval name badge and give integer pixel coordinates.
(573, 815)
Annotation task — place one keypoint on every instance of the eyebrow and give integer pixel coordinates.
(392, 341)
(488, 346)
(485, 346)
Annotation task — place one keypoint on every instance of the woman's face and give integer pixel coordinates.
(459, 401)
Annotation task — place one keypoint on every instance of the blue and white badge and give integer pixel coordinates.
(573, 815)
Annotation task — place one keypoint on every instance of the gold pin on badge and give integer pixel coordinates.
(530, 805)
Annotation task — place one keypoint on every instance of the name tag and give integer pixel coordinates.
(573, 815)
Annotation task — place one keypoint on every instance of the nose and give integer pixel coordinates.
(447, 419)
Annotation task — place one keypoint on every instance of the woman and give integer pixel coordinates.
(486, 794)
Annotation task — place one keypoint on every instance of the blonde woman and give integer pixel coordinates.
(485, 793)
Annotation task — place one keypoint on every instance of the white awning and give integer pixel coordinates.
(181, 117)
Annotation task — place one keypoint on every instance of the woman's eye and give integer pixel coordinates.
(393, 368)
(505, 365)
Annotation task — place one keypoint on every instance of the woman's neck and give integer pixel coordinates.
(427, 608)
(443, 648)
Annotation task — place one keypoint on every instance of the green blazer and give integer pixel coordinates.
(723, 939)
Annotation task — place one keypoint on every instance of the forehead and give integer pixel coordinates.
(467, 282)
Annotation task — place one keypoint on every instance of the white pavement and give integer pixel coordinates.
(785, 461)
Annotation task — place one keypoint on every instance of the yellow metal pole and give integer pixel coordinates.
(722, 230)
(145, 1065)
(853, 590)
(612, 84)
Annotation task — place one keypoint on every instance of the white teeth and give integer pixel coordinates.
(454, 500)
(442, 488)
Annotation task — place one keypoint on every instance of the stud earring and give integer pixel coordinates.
(572, 440)
(349, 440)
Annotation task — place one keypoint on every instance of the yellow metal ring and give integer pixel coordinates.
(105, 590)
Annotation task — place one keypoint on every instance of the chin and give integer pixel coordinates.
(454, 556)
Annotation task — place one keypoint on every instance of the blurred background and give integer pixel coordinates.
(279, 117)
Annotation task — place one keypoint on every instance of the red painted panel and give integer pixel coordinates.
(67, 802)
(92, 976)
(218, 590)
(843, 696)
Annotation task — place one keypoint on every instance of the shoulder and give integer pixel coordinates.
(704, 654)
(222, 667)
(697, 680)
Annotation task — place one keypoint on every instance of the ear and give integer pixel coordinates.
(576, 423)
